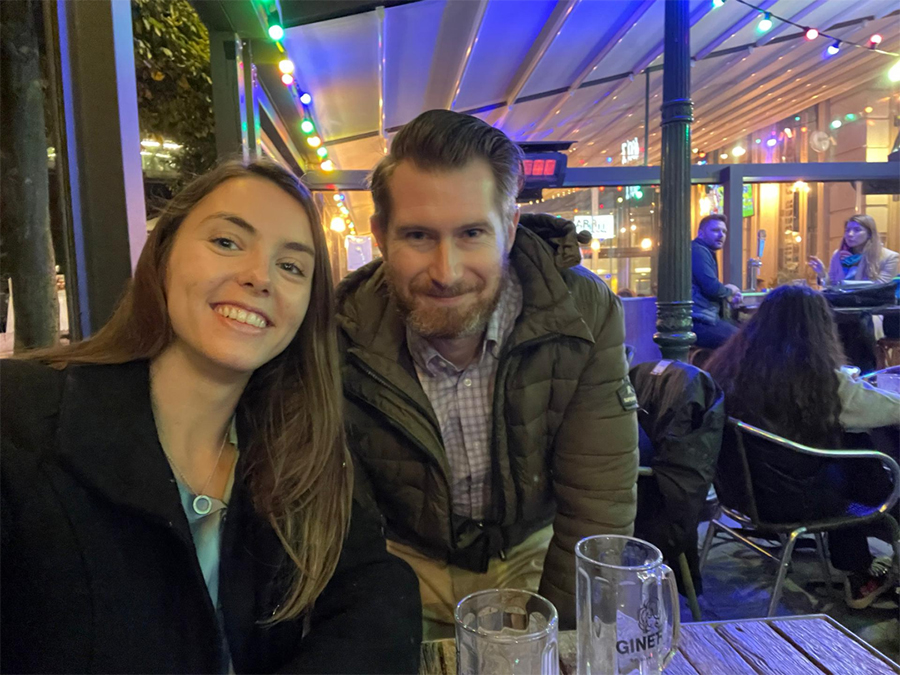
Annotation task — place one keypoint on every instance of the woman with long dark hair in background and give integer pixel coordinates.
(782, 372)
(176, 490)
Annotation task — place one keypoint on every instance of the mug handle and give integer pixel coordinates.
(669, 578)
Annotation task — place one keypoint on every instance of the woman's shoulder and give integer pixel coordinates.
(26, 383)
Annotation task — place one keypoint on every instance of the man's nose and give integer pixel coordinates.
(446, 268)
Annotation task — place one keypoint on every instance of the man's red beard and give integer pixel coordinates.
(440, 322)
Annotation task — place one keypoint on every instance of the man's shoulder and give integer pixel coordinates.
(361, 296)
(593, 298)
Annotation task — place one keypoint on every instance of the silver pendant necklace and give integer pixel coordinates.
(202, 503)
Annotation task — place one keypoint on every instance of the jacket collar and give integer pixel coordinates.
(369, 316)
(108, 439)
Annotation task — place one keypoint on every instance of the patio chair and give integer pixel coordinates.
(735, 487)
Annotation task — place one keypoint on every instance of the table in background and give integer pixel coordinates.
(793, 645)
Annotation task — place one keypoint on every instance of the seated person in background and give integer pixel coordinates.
(214, 389)
(488, 402)
(861, 256)
(782, 372)
(707, 291)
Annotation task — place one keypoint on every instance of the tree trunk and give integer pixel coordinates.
(25, 203)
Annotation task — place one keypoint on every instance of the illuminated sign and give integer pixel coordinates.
(601, 227)
(631, 151)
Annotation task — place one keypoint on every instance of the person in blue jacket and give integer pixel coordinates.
(707, 291)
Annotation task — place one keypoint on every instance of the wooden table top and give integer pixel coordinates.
(794, 645)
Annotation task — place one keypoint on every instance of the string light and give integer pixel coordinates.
(314, 141)
(338, 197)
(738, 151)
(327, 165)
(718, 3)
(288, 79)
(772, 142)
(307, 127)
(836, 124)
(276, 32)
(893, 74)
(305, 98)
(811, 33)
(338, 224)
(322, 152)
(646, 244)
(286, 66)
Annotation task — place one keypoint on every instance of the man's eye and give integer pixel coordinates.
(226, 243)
(474, 232)
(416, 236)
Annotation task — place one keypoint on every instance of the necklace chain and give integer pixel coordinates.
(202, 492)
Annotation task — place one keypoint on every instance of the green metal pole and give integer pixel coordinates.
(673, 308)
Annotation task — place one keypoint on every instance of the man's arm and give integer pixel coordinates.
(595, 457)
(703, 270)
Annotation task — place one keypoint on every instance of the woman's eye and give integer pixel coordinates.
(226, 243)
(292, 268)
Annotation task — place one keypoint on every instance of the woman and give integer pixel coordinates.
(176, 490)
(861, 256)
(782, 372)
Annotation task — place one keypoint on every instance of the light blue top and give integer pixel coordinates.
(206, 532)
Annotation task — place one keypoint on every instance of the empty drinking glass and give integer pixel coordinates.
(506, 632)
(627, 607)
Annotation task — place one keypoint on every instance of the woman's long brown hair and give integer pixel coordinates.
(298, 468)
(779, 371)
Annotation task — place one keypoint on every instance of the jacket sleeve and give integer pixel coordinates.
(595, 456)
(864, 407)
(369, 617)
(704, 275)
(888, 269)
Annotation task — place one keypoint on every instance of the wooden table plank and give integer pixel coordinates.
(766, 650)
(831, 649)
(680, 666)
(709, 653)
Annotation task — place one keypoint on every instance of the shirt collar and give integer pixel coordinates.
(499, 326)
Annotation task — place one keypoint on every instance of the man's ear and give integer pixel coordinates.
(511, 231)
(380, 234)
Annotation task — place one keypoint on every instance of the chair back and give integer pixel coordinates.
(761, 473)
(734, 480)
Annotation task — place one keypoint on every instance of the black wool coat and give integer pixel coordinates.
(99, 570)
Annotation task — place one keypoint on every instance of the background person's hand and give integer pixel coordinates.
(844, 254)
(817, 265)
(736, 297)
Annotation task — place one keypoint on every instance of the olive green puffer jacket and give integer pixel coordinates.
(564, 438)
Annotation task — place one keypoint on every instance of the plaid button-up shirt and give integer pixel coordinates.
(463, 403)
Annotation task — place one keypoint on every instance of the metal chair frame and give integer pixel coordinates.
(788, 533)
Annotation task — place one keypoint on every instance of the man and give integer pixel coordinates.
(707, 291)
(488, 404)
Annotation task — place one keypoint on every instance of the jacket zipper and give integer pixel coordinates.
(501, 367)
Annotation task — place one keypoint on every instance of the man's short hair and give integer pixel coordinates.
(443, 140)
(712, 217)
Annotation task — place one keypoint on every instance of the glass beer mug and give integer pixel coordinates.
(506, 632)
(627, 607)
